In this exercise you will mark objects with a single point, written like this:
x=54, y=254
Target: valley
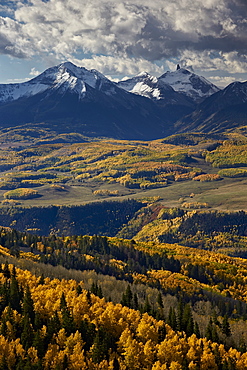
x=77, y=173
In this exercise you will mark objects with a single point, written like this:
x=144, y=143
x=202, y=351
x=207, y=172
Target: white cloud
x=207, y=34
x=12, y=40
x=119, y=66
x=34, y=72
x=16, y=80
x=231, y=62
x=222, y=81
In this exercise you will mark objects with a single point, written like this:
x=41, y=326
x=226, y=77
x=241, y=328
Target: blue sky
x=123, y=38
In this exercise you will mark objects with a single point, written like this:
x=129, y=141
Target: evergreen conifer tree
x=27, y=332
x=180, y=311
x=14, y=294
x=197, y=330
x=6, y=270
x=172, y=319
x=160, y=301
x=28, y=306
x=147, y=307
x=161, y=333
x=209, y=330
x=226, y=326
x=39, y=344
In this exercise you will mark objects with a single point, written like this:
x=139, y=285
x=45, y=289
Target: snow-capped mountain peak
x=147, y=75
x=190, y=84
x=62, y=78
x=143, y=84
x=76, y=79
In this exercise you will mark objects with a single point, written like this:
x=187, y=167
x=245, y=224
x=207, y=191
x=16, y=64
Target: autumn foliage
x=55, y=324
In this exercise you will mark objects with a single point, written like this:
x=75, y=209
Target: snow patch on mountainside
x=64, y=82
x=143, y=84
x=141, y=88
x=15, y=91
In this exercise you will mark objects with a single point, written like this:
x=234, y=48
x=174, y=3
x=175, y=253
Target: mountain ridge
x=182, y=82
x=68, y=98
x=223, y=110
x=72, y=98
x=76, y=78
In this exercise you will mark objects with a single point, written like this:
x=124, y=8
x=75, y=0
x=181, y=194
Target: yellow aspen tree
x=72, y=340
x=51, y=302
x=40, y=247
x=61, y=359
x=193, y=365
x=175, y=366
x=109, y=320
x=118, y=323
x=242, y=362
x=71, y=294
x=195, y=350
x=207, y=360
x=103, y=365
x=220, y=348
x=132, y=350
x=61, y=338
x=10, y=350
x=123, y=338
x=19, y=350
x=50, y=358
x=149, y=354
x=159, y=366
x=173, y=348
x=80, y=307
x=10, y=331
x=131, y=317
x=146, y=330
x=24, y=275
x=77, y=358
x=33, y=355
x=234, y=354
x=97, y=310
x=43, y=331
x=15, y=316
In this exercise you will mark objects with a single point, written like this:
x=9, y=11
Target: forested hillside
x=105, y=217
x=53, y=324
x=223, y=232
x=107, y=303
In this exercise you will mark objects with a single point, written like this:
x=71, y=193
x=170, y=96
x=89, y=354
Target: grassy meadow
x=178, y=170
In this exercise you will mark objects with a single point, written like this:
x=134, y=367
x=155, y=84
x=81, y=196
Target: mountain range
x=68, y=98
x=193, y=87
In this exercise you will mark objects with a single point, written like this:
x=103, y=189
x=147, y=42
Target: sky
x=124, y=38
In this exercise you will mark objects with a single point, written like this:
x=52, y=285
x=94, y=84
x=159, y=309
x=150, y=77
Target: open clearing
x=226, y=194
